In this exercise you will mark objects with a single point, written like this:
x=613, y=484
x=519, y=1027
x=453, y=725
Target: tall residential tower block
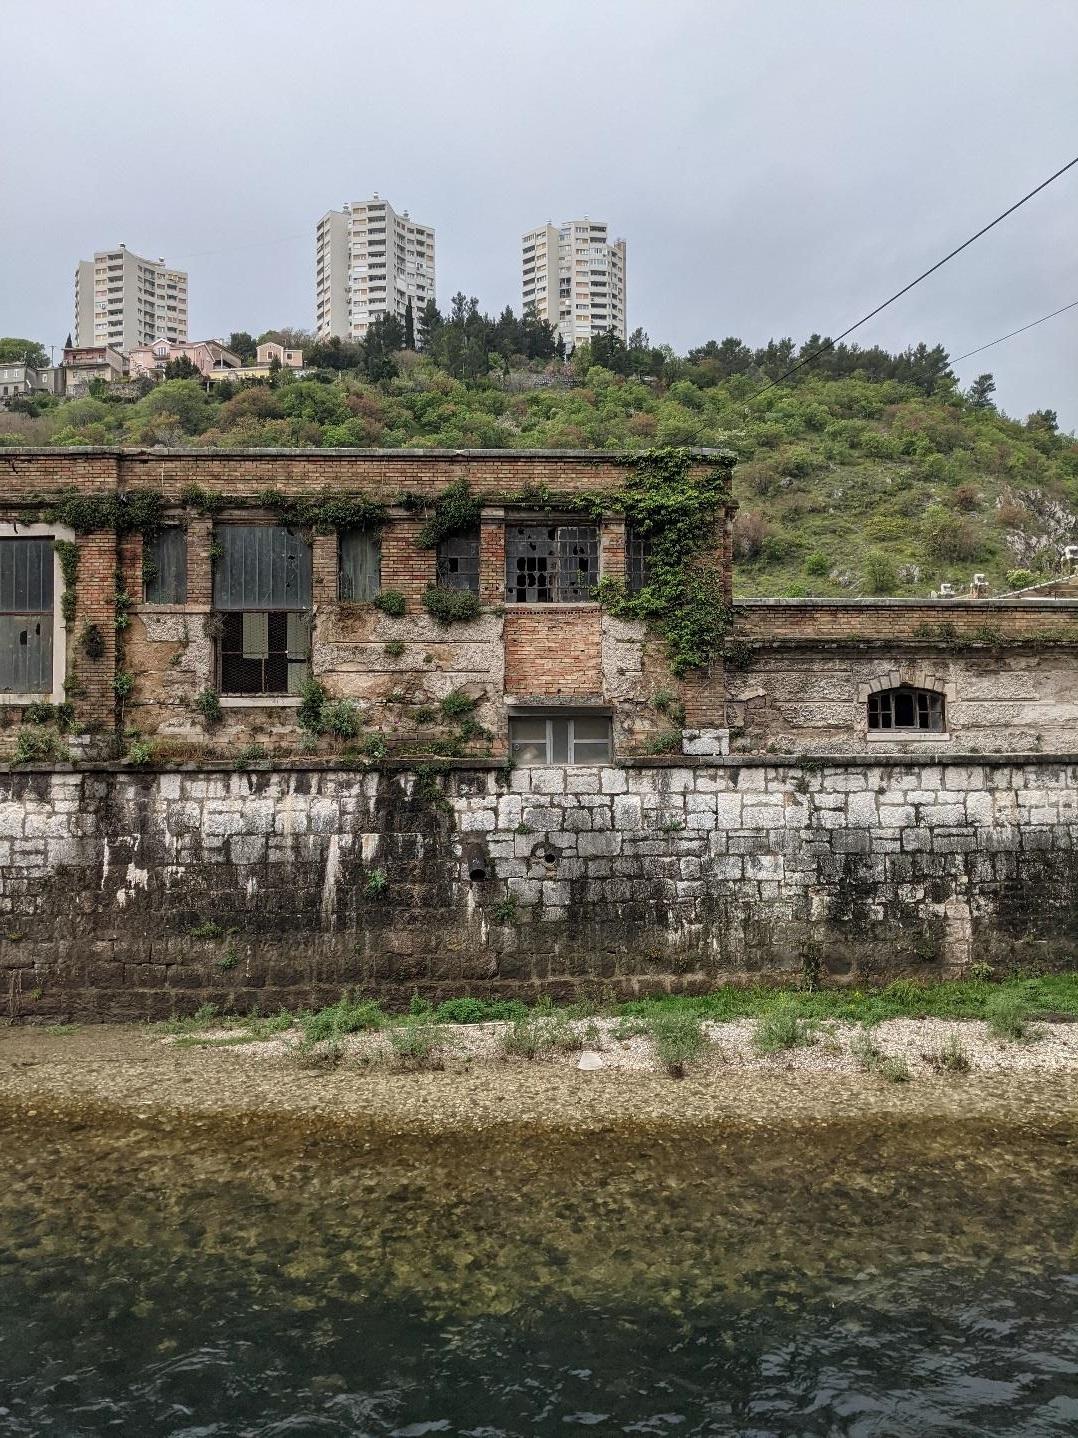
x=575, y=279
x=369, y=262
x=125, y=301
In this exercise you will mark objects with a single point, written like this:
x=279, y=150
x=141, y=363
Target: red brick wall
x=553, y=651
x=814, y=621
x=405, y=566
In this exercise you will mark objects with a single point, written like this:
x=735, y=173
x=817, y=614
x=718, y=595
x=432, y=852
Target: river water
x=884, y=1277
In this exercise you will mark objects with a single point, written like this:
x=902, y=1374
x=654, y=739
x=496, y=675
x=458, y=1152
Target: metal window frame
x=465, y=577
x=927, y=703
x=559, y=530
x=549, y=719
x=286, y=692
x=637, y=559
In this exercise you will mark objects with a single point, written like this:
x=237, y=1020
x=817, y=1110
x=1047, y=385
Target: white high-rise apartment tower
x=575, y=279
x=369, y=262
x=125, y=301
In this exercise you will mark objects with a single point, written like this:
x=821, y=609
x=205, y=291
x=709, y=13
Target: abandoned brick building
x=290, y=683
x=196, y=622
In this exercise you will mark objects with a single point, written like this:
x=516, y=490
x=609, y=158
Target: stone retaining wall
x=130, y=894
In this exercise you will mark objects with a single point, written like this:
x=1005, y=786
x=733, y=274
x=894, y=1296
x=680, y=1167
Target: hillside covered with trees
x=863, y=473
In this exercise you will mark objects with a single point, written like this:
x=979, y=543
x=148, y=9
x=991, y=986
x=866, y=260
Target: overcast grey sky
x=776, y=167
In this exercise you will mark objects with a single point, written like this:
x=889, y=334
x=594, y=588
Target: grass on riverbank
x=1009, y=1006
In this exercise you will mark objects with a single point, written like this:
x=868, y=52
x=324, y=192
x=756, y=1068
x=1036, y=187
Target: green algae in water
x=806, y=1278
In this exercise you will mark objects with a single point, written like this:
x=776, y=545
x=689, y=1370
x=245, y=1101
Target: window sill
x=260, y=701
x=908, y=736
x=511, y=608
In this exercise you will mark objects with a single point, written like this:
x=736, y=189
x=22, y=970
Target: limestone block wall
x=128, y=894
x=817, y=703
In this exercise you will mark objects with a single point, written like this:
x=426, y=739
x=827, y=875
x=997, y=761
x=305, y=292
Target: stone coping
x=1000, y=602
x=618, y=456
x=432, y=762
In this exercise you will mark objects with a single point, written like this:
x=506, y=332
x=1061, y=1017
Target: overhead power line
x=808, y=359
x=1032, y=325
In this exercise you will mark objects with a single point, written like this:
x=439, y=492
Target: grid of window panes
x=536, y=739
x=551, y=563
x=264, y=652
x=458, y=563
x=637, y=560
x=906, y=708
x=164, y=566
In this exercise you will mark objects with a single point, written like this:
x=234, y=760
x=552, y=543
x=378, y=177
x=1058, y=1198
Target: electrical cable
x=1032, y=325
x=906, y=288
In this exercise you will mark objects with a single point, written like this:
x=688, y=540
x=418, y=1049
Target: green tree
x=182, y=368
x=409, y=327
x=243, y=346
x=981, y=391
x=14, y=351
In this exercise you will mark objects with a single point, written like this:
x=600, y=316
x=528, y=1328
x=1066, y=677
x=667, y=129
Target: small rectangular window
x=264, y=651
x=458, y=563
x=560, y=739
x=551, y=563
x=360, y=574
x=164, y=567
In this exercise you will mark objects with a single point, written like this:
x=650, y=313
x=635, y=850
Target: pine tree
x=409, y=327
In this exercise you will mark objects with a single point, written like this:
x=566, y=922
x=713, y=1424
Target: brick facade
x=552, y=650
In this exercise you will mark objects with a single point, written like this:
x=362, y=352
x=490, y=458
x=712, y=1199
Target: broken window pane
x=551, y=564
x=458, y=563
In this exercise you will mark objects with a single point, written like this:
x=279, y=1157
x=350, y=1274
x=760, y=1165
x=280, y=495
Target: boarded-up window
x=164, y=566
x=458, y=563
x=26, y=618
x=551, y=563
x=260, y=566
x=360, y=566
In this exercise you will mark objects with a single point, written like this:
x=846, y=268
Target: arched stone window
x=907, y=708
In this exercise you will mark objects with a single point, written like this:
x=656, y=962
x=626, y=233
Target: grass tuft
x=1007, y=1014
x=783, y=1028
x=950, y=1057
x=678, y=1040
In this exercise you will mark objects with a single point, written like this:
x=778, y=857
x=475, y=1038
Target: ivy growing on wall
x=676, y=511
x=139, y=510
x=455, y=511
x=68, y=553
x=325, y=512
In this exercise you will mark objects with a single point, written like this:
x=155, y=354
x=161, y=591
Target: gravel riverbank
x=130, y=1073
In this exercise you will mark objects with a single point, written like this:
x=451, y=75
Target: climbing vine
x=674, y=506
x=67, y=552
x=140, y=510
x=326, y=511
x=455, y=511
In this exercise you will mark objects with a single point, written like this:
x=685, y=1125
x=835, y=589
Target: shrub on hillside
x=750, y=531
x=880, y=576
x=947, y=536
